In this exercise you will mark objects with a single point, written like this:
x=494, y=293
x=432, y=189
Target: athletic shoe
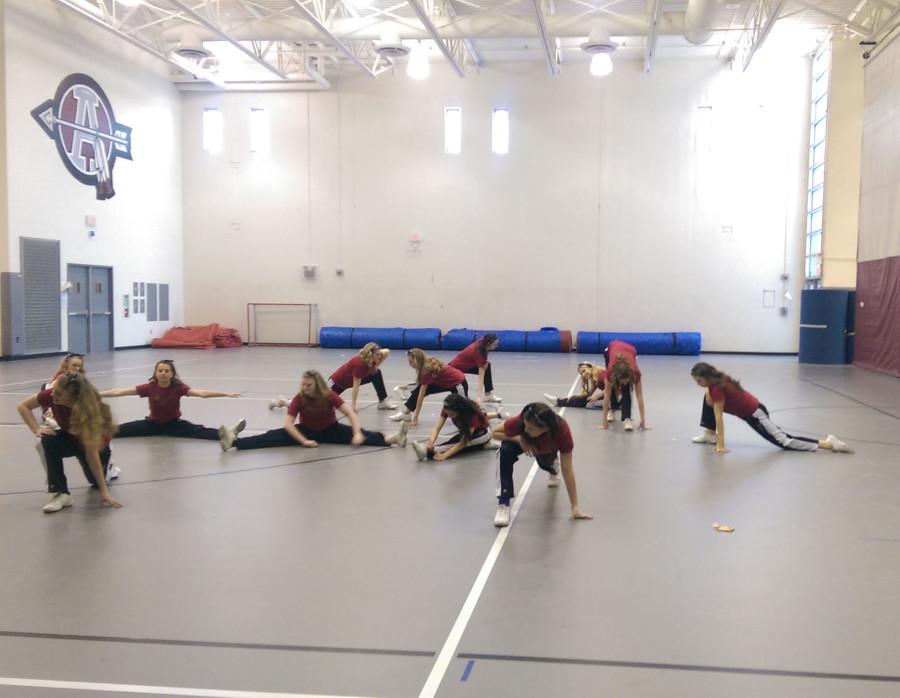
x=490, y=397
x=402, y=434
x=239, y=426
x=837, y=445
x=704, y=438
x=278, y=402
x=501, y=518
x=226, y=437
x=503, y=414
x=629, y=425
x=611, y=417
x=112, y=472
x=57, y=502
x=492, y=445
x=420, y=449
x=385, y=405
x=595, y=404
x=403, y=416
x=402, y=392
x=551, y=399
x=554, y=480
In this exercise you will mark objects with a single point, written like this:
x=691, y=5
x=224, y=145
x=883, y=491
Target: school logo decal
x=88, y=139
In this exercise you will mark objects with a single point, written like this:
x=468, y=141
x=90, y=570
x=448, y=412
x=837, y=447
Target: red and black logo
x=88, y=139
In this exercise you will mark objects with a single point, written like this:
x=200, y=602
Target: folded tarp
x=192, y=337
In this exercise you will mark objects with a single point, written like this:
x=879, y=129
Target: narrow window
x=452, y=130
x=500, y=132
x=212, y=131
x=259, y=131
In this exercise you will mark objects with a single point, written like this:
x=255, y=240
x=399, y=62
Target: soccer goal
x=283, y=324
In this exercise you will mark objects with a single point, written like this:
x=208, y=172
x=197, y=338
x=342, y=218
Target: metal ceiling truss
x=654, y=9
x=549, y=44
x=425, y=19
x=763, y=16
x=322, y=11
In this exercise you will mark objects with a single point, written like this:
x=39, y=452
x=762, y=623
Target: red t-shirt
x=61, y=413
x=470, y=357
x=477, y=421
x=738, y=402
x=618, y=347
x=165, y=403
x=447, y=377
x=543, y=444
x=315, y=415
x=343, y=376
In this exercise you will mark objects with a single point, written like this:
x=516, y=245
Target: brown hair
x=91, y=419
x=171, y=364
x=713, y=376
x=321, y=391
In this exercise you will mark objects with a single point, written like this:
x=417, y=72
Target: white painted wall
x=606, y=215
x=139, y=230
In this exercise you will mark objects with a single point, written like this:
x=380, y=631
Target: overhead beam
x=200, y=19
x=545, y=36
x=432, y=30
x=655, y=9
x=853, y=26
x=337, y=43
x=762, y=29
x=468, y=43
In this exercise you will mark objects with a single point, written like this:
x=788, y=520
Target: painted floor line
x=446, y=655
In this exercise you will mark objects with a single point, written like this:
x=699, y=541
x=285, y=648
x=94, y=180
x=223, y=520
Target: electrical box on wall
x=310, y=271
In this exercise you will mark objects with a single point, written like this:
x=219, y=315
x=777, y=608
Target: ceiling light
x=601, y=64
x=599, y=46
x=390, y=46
x=418, y=67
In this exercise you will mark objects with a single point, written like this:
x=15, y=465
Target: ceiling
x=307, y=44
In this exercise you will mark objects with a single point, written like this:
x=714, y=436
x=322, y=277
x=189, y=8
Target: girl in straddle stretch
x=591, y=395
x=724, y=395
x=164, y=391
x=473, y=430
x=311, y=420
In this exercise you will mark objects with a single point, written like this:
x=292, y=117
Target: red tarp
x=877, y=343
x=199, y=337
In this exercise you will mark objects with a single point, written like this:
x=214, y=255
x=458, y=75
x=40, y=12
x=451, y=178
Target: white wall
x=139, y=230
x=606, y=215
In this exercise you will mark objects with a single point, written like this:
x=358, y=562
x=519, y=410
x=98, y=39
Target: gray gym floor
x=346, y=571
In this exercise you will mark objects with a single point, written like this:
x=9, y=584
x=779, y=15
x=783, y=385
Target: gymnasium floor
x=344, y=571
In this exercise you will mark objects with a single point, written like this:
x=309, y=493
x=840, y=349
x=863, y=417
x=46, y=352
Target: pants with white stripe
x=763, y=425
x=476, y=442
x=506, y=457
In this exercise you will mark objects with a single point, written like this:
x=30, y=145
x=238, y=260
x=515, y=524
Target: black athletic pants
x=509, y=453
x=762, y=424
x=477, y=442
x=337, y=433
x=488, y=380
x=63, y=445
x=462, y=388
x=177, y=427
x=376, y=379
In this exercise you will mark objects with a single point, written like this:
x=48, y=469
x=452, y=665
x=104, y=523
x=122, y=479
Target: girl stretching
x=432, y=376
x=725, y=394
x=313, y=408
x=85, y=428
x=71, y=363
x=361, y=369
x=622, y=374
x=164, y=391
x=472, y=434
x=592, y=384
x=474, y=359
x=538, y=431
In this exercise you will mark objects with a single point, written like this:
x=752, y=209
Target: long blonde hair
x=432, y=365
x=91, y=419
x=418, y=359
x=369, y=353
x=321, y=392
x=588, y=383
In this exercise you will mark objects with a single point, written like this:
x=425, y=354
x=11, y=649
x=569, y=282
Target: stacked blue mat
x=680, y=343
x=546, y=339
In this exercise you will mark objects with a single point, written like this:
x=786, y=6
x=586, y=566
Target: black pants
x=488, y=380
x=337, y=433
x=477, y=442
x=582, y=401
x=64, y=445
x=177, y=427
x=376, y=379
x=462, y=388
x=508, y=455
x=762, y=424
x=621, y=402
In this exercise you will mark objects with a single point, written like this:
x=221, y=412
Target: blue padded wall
x=422, y=337
x=683, y=343
x=510, y=340
x=335, y=337
x=546, y=340
x=458, y=338
x=390, y=337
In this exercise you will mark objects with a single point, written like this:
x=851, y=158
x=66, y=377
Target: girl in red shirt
x=473, y=432
x=592, y=385
x=725, y=394
x=311, y=420
x=85, y=427
x=474, y=359
x=538, y=431
x=164, y=391
x=361, y=369
x=71, y=363
x=622, y=375
x=432, y=376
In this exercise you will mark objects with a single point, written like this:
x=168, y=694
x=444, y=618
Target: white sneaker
x=402, y=434
x=57, y=502
x=551, y=399
x=554, y=480
x=629, y=425
x=385, y=405
x=420, y=449
x=501, y=518
x=704, y=438
x=226, y=437
x=490, y=397
x=837, y=445
x=492, y=445
x=611, y=417
x=401, y=416
x=402, y=392
x=277, y=403
x=112, y=472
x=594, y=405
x=239, y=427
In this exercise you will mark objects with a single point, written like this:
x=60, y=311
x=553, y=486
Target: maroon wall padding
x=565, y=340
x=878, y=315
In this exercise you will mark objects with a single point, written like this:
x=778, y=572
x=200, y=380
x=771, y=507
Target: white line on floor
x=155, y=690
x=442, y=663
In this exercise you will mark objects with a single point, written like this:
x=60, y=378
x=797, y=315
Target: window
x=212, y=131
x=452, y=130
x=500, y=132
x=818, y=129
x=259, y=131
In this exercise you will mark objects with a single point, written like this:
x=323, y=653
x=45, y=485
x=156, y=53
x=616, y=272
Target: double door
x=90, y=309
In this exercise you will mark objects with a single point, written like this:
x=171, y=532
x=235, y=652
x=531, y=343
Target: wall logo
x=80, y=120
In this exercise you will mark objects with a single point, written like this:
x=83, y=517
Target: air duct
x=700, y=19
